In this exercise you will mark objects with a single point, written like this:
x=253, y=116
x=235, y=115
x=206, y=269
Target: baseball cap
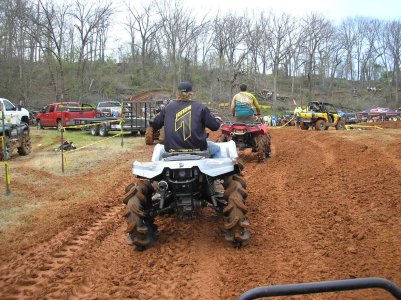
x=185, y=86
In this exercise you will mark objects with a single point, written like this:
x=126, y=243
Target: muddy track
x=325, y=206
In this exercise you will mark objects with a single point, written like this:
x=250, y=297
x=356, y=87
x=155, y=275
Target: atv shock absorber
x=210, y=184
x=163, y=186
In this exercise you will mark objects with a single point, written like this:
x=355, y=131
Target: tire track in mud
x=34, y=273
x=178, y=266
x=279, y=216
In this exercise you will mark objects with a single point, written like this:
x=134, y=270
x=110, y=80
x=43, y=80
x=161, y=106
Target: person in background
x=244, y=106
x=266, y=119
x=185, y=121
x=274, y=120
x=297, y=112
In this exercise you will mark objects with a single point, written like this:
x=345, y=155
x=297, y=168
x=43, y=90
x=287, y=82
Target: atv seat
x=227, y=150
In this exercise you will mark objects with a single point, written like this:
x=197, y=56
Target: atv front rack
x=322, y=287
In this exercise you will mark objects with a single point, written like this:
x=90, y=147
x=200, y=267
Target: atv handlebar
x=323, y=287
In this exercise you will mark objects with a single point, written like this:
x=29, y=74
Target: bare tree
x=279, y=30
x=89, y=20
x=143, y=22
x=180, y=29
x=52, y=22
x=393, y=35
x=296, y=39
x=317, y=29
x=229, y=41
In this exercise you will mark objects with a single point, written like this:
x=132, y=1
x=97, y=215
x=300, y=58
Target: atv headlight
x=182, y=173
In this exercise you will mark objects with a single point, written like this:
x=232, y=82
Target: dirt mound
x=325, y=206
x=384, y=124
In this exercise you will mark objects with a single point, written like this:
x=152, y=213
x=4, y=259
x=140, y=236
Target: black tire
x=9, y=149
x=149, y=136
x=59, y=125
x=236, y=225
x=94, y=130
x=304, y=126
x=320, y=125
x=39, y=125
x=25, y=147
x=263, y=146
x=140, y=227
x=162, y=135
x=340, y=125
x=103, y=130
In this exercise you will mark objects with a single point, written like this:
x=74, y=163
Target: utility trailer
x=135, y=117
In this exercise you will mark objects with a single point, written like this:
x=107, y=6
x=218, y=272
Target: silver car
x=110, y=108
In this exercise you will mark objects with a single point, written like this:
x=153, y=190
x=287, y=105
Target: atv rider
x=184, y=122
x=244, y=106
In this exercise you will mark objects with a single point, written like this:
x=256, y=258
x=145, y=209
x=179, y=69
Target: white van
x=13, y=114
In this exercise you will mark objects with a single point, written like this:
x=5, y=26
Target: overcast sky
x=335, y=10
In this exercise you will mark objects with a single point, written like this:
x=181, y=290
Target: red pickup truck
x=63, y=114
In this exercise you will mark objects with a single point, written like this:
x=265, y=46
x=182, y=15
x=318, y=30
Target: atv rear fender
x=214, y=167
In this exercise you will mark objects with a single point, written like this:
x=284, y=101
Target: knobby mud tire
x=149, y=136
x=140, y=227
x=162, y=135
x=9, y=149
x=236, y=225
x=26, y=146
x=340, y=125
x=320, y=125
x=263, y=146
x=304, y=126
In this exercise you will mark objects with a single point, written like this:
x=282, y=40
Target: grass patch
x=90, y=150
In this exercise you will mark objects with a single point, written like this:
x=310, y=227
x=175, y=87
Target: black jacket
x=184, y=125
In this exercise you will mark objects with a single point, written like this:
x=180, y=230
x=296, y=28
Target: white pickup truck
x=13, y=114
x=14, y=130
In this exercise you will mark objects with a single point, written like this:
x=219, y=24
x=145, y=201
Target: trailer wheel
x=162, y=135
x=94, y=130
x=25, y=147
x=140, y=227
x=103, y=130
x=149, y=136
x=59, y=125
x=236, y=225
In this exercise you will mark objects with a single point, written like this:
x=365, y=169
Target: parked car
x=62, y=114
x=110, y=108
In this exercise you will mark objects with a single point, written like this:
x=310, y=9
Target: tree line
x=59, y=50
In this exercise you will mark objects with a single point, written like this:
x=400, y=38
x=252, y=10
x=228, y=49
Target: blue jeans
x=213, y=149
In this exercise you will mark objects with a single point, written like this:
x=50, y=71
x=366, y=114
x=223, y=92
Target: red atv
x=248, y=135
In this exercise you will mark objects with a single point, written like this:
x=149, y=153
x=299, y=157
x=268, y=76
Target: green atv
x=321, y=116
